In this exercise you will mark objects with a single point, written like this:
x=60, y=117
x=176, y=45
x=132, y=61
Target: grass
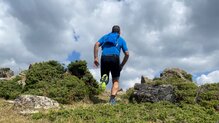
x=123, y=112
x=163, y=112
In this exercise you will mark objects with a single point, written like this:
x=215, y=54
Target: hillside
x=171, y=98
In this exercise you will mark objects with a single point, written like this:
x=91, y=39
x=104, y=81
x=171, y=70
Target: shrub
x=129, y=95
x=65, y=90
x=79, y=69
x=10, y=89
x=208, y=95
x=68, y=89
x=44, y=71
x=48, y=79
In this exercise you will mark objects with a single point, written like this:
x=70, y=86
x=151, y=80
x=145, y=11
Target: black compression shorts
x=110, y=63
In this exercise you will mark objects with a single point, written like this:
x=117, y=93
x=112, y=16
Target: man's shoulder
x=102, y=38
x=121, y=39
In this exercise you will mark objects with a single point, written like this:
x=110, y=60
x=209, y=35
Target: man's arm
x=125, y=59
x=96, y=47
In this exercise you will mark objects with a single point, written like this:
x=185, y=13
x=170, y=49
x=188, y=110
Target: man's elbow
x=97, y=44
x=127, y=54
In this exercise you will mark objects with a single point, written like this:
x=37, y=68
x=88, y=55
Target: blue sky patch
x=73, y=56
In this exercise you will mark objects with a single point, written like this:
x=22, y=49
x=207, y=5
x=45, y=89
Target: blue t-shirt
x=110, y=50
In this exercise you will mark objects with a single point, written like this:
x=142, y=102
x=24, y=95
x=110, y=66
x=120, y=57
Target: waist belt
x=114, y=55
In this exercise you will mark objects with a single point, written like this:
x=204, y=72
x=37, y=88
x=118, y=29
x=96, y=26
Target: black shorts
x=110, y=63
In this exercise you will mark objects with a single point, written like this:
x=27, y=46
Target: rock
x=175, y=72
x=27, y=104
x=120, y=90
x=153, y=93
x=145, y=79
x=23, y=78
x=6, y=73
x=216, y=108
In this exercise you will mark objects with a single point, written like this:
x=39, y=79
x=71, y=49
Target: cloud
x=159, y=34
x=209, y=78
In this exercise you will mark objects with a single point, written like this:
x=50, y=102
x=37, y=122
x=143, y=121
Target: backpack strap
x=115, y=44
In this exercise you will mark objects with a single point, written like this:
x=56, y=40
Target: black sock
x=112, y=96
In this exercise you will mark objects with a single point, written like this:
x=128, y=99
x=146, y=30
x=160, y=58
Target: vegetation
x=44, y=71
x=79, y=69
x=10, y=89
x=185, y=90
x=49, y=79
x=133, y=113
x=194, y=104
x=208, y=95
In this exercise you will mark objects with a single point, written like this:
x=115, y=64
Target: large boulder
x=175, y=73
x=27, y=104
x=6, y=73
x=153, y=93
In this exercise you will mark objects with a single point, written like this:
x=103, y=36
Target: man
x=111, y=44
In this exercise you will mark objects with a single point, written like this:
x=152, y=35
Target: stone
x=26, y=104
x=145, y=79
x=23, y=77
x=153, y=93
x=6, y=73
x=175, y=72
x=216, y=108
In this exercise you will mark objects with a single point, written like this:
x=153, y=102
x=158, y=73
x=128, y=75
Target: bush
x=10, y=89
x=48, y=79
x=68, y=89
x=208, y=95
x=79, y=69
x=44, y=71
x=129, y=95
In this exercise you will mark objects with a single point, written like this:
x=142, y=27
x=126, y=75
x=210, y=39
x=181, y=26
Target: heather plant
x=79, y=69
x=49, y=79
x=44, y=71
x=208, y=95
x=133, y=113
x=10, y=89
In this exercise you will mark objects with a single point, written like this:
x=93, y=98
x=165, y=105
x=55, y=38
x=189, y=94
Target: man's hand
x=96, y=62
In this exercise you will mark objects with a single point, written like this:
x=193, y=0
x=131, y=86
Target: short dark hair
x=116, y=28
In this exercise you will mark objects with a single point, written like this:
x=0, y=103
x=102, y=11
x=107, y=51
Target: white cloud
x=96, y=73
x=159, y=34
x=212, y=77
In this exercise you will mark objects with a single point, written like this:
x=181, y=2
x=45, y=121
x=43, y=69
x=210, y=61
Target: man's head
x=116, y=28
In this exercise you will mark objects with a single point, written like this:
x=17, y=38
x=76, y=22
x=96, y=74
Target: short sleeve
x=101, y=40
x=124, y=46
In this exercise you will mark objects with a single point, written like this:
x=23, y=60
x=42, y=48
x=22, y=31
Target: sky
x=159, y=34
